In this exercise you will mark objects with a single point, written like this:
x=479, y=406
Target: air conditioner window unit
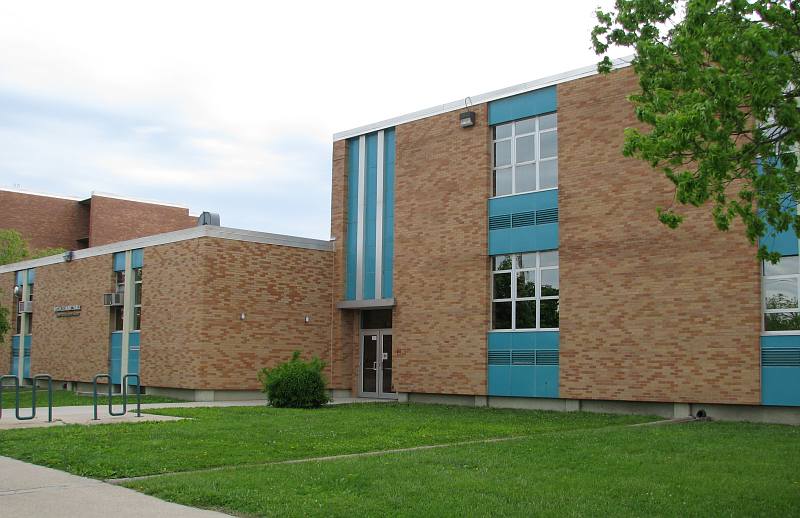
x=113, y=299
x=25, y=307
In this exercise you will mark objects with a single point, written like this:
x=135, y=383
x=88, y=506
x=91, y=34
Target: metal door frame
x=379, y=364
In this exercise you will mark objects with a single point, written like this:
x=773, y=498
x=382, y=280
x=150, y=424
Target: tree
x=13, y=248
x=720, y=81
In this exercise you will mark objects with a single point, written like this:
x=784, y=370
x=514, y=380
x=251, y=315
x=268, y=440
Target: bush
x=295, y=384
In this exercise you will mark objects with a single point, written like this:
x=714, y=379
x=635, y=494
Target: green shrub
x=295, y=384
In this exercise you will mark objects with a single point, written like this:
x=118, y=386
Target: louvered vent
x=523, y=219
x=546, y=357
x=499, y=357
x=523, y=357
x=780, y=357
x=500, y=222
x=547, y=216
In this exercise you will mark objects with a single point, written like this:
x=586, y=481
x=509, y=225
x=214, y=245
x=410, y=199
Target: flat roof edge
x=234, y=234
x=563, y=77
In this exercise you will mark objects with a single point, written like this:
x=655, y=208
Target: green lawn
x=695, y=469
x=557, y=464
x=69, y=398
x=247, y=435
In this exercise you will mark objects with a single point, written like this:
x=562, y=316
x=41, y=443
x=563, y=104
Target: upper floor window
x=525, y=155
x=137, y=299
x=781, y=288
x=525, y=291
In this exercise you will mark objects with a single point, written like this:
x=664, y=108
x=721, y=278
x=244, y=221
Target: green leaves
x=719, y=92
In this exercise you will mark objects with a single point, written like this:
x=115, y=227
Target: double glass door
x=376, y=363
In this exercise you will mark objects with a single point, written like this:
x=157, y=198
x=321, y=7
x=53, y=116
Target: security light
x=467, y=119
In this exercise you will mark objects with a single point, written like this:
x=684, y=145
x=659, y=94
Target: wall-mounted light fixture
x=307, y=319
x=242, y=316
x=69, y=255
x=17, y=291
x=467, y=118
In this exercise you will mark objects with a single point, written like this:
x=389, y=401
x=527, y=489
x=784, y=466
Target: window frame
x=137, y=282
x=537, y=298
x=512, y=166
x=764, y=311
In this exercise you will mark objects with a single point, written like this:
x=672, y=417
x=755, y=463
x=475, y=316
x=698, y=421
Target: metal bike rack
x=124, y=395
x=17, y=390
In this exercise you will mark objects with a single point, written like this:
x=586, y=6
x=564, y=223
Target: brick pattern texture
x=44, y=221
x=441, y=268
x=112, y=220
x=647, y=313
x=193, y=293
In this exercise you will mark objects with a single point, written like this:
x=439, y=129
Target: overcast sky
x=230, y=106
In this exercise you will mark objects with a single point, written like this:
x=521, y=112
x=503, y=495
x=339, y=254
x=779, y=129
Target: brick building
x=505, y=254
x=47, y=221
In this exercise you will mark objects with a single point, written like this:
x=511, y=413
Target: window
x=780, y=288
x=137, y=299
x=525, y=155
x=525, y=291
x=118, y=312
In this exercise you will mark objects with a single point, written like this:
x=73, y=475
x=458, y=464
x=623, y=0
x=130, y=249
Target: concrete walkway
x=32, y=491
x=83, y=414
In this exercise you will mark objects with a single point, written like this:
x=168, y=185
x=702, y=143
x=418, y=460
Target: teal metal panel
x=14, y=356
x=523, y=105
x=370, y=207
x=18, y=278
x=133, y=352
x=499, y=380
x=529, y=238
x=115, y=358
x=26, y=371
x=780, y=385
x=31, y=275
x=352, y=218
x=137, y=258
x=523, y=380
x=387, y=260
x=546, y=381
x=119, y=262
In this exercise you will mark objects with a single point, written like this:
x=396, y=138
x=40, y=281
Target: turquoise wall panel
x=780, y=374
x=518, y=380
x=523, y=105
x=523, y=239
x=133, y=353
x=18, y=278
x=119, y=262
x=27, y=370
x=137, y=258
x=387, y=259
x=31, y=275
x=528, y=238
x=14, y=356
x=370, y=207
x=352, y=218
x=115, y=358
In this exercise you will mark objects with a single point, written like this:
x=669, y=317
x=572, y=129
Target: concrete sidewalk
x=83, y=414
x=33, y=491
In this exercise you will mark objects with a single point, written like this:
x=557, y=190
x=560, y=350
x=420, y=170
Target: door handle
x=375, y=365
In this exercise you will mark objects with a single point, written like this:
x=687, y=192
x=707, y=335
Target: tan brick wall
x=71, y=348
x=441, y=276
x=113, y=220
x=192, y=336
x=44, y=221
x=344, y=332
x=647, y=313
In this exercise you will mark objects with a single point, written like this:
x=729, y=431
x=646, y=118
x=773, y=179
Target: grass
x=248, y=435
x=696, y=469
x=70, y=398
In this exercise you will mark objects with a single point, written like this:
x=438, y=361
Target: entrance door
x=376, y=364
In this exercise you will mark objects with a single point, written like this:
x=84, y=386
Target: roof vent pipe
x=208, y=218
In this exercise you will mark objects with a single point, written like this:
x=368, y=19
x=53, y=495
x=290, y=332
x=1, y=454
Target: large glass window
x=525, y=155
x=137, y=299
x=525, y=291
x=117, y=312
x=780, y=290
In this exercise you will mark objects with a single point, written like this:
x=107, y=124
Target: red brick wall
x=44, y=221
x=647, y=313
x=113, y=220
x=441, y=276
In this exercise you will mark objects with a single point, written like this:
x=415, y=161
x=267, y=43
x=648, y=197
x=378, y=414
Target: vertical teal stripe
x=119, y=262
x=137, y=258
x=370, y=207
x=388, y=214
x=352, y=218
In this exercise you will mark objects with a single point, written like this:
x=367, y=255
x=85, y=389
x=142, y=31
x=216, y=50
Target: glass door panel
x=369, y=364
